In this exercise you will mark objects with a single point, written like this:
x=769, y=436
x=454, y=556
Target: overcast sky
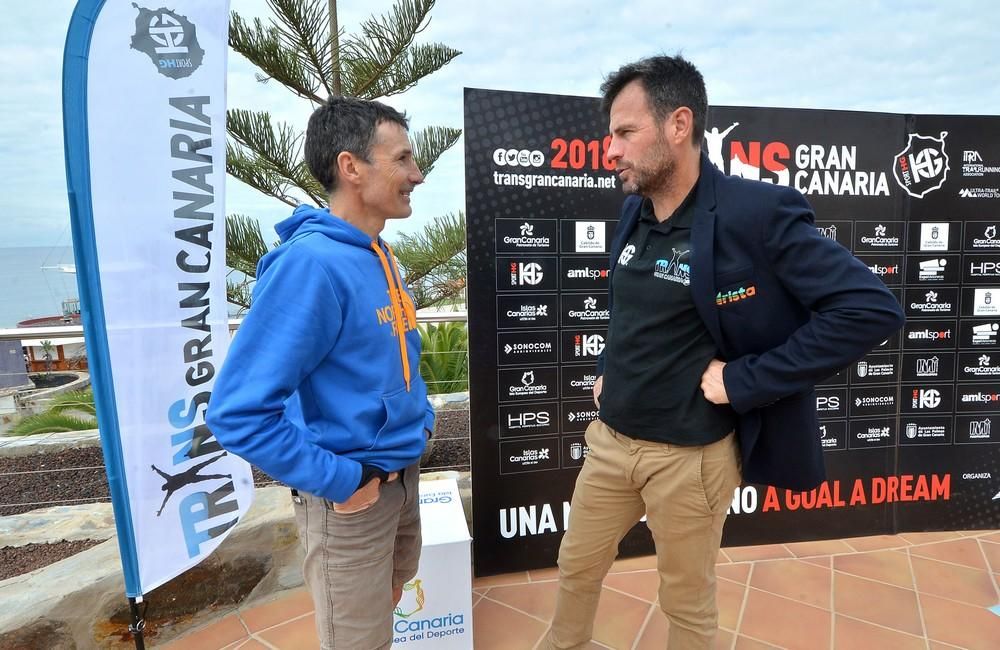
x=905, y=57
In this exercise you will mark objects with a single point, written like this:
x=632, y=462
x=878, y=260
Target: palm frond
x=79, y=401
x=51, y=423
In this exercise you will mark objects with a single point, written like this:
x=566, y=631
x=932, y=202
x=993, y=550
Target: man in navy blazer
x=727, y=306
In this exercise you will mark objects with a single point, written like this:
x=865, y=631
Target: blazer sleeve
x=852, y=310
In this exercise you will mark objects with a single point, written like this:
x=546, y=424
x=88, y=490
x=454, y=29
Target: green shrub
x=444, y=361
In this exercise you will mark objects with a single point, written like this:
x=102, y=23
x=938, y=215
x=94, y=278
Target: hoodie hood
x=307, y=219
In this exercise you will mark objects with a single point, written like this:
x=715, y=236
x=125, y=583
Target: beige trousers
x=354, y=561
x=684, y=493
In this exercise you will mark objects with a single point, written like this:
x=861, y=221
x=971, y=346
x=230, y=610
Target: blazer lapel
x=703, y=251
x=703, y=271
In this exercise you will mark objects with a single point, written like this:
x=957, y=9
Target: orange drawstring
x=400, y=315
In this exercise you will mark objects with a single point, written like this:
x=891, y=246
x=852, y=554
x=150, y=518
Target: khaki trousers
x=354, y=561
x=684, y=493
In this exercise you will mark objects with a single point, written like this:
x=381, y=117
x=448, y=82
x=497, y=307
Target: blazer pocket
x=735, y=290
x=727, y=277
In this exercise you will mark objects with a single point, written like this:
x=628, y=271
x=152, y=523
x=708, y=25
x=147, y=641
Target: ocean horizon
x=31, y=283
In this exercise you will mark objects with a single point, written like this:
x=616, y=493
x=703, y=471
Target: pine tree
x=303, y=48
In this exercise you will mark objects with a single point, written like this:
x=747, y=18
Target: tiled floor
x=930, y=591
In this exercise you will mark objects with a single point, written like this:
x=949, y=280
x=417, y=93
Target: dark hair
x=343, y=124
x=670, y=82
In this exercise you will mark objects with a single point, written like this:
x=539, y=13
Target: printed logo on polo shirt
x=627, y=253
x=922, y=166
x=677, y=269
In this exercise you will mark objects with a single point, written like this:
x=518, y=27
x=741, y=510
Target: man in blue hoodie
x=321, y=387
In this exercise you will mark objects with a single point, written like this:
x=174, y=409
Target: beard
x=654, y=174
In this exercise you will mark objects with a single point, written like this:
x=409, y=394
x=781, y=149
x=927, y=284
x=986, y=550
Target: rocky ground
x=77, y=476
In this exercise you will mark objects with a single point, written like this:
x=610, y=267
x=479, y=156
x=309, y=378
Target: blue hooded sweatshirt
x=316, y=382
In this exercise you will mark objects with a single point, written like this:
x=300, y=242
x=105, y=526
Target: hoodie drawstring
x=404, y=315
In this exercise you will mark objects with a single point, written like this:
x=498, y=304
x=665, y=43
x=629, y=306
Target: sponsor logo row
x=929, y=302
x=552, y=236
x=928, y=399
x=917, y=366
x=541, y=454
x=526, y=274
x=922, y=274
x=546, y=418
x=838, y=435
x=534, y=348
x=894, y=236
x=933, y=271
x=537, y=310
x=520, y=348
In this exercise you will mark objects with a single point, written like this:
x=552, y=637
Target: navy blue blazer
x=787, y=308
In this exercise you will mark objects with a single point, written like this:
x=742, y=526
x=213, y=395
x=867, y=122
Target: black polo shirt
x=658, y=346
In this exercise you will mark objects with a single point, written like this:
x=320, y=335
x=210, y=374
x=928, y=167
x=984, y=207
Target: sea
x=32, y=284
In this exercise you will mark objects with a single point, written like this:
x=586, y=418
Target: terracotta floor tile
x=289, y=605
x=892, y=567
x=877, y=603
x=735, y=572
x=498, y=627
x=536, y=598
x=654, y=637
x=723, y=557
x=800, y=581
x=821, y=547
x=641, y=563
x=954, y=582
x=619, y=618
x=723, y=640
x=963, y=551
x=641, y=584
x=930, y=537
x=517, y=577
x=962, y=625
x=252, y=644
x=744, y=643
x=729, y=596
x=992, y=537
x=215, y=635
x=784, y=622
x=542, y=575
x=753, y=553
x=992, y=553
x=476, y=598
x=937, y=645
x=819, y=561
x=851, y=634
x=299, y=634
x=876, y=542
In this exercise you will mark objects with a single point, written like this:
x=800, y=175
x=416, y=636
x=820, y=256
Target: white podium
x=436, y=608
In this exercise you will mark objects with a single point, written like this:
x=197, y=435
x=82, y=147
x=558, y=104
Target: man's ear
x=681, y=125
x=348, y=168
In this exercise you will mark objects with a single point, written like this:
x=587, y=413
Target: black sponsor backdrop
x=882, y=460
